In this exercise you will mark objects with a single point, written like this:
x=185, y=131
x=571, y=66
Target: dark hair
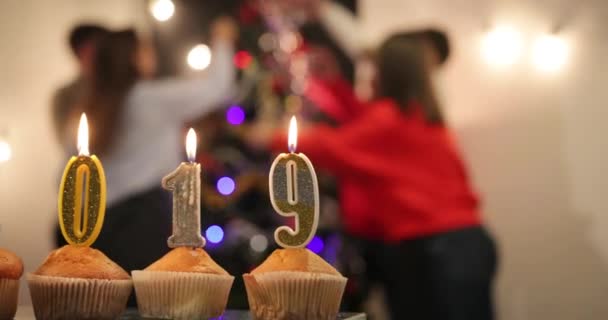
x=83, y=33
x=403, y=75
x=437, y=38
x=114, y=74
x=440, y=42
x=318, y=35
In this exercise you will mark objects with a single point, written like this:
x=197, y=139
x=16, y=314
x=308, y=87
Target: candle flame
x=191, y=145
x=83, y=136
x=292, y=139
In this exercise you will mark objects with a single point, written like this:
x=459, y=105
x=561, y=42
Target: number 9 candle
x=294, y=192
x=82, y=194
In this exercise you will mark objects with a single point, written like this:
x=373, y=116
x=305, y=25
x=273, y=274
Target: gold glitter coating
x=71, y=193
x=185, y=185
x=305, y=209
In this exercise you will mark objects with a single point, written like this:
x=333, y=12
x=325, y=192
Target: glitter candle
x=294, y=192
x=81, y=218
x=185, y=183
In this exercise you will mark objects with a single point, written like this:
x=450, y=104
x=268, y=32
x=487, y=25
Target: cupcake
x=294, y=284
x=78, y=282
x=184, y=284
x=11, y=269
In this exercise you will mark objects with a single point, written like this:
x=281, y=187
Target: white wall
x=535, y=143
x=34, y=60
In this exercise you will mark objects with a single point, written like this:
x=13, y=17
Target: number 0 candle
x=82, y=194
x=185, y=183
x=294, y=192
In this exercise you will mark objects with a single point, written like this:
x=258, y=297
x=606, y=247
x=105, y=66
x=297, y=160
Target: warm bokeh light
x=292, y=138
x=83, y=136
x=199, y=57
x=549, y=53
x=5, y=151
x=191, y=145
x=258, y=243
x=242, y=59
x=162, y=10
x=289, y=41
x=267, y=42
x=502, y=46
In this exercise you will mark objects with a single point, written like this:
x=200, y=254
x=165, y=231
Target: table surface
x=27, y=313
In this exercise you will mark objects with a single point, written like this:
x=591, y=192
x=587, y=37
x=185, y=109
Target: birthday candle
x=185, y=183
x=82, y=194
x=294, y=192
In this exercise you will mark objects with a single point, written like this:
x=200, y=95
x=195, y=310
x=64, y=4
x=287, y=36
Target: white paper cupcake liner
x=181, y=295
x=294, y=295
x=74, y=298
x=9, y=293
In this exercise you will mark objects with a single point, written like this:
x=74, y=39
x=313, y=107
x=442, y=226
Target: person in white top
x=137, y=131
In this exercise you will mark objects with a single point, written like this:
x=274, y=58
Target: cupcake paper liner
x=294, y=295
x=181, y=295
x=75, y=298
x=9, y=293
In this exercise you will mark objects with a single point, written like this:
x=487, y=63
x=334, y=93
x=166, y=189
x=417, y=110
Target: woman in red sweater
x=405, y=194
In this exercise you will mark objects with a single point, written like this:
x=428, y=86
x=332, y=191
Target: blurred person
x=136, y=128
x=435, y=43
x=329, y=20
x=436, y=49
x=405, y=195
x=338, y=54
x=82, y=40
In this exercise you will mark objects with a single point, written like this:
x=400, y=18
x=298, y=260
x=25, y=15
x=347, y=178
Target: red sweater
x=399, y=176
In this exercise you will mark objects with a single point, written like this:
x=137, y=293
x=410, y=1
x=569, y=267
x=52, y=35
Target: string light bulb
x=214, y=234
x=235, y=115
x=162, y=10
x=502, y=46
x=549, y=53
x=226, y=186
x=199, y=57
x=258, y=243
x=5, y=151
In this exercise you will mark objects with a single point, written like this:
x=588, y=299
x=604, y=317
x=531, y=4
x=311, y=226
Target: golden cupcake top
x=295, y=259
x=81, y=262
x=182, y=259
x=11, y=266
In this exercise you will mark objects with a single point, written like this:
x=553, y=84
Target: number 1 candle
x=294, y=192
x=82, y=194
x=185, y=183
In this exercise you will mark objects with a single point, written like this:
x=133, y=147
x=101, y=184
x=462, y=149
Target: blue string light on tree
x=214, y=234
x=316, y=245
x=226, y=186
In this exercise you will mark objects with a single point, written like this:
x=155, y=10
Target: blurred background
x=523, y=90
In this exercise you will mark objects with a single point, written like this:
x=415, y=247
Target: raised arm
x=189, y=98
x=343, y=27
x=345, y=150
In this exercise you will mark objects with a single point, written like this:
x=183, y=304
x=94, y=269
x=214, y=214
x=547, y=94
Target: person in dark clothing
x=405, y=194
x=82, y=41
